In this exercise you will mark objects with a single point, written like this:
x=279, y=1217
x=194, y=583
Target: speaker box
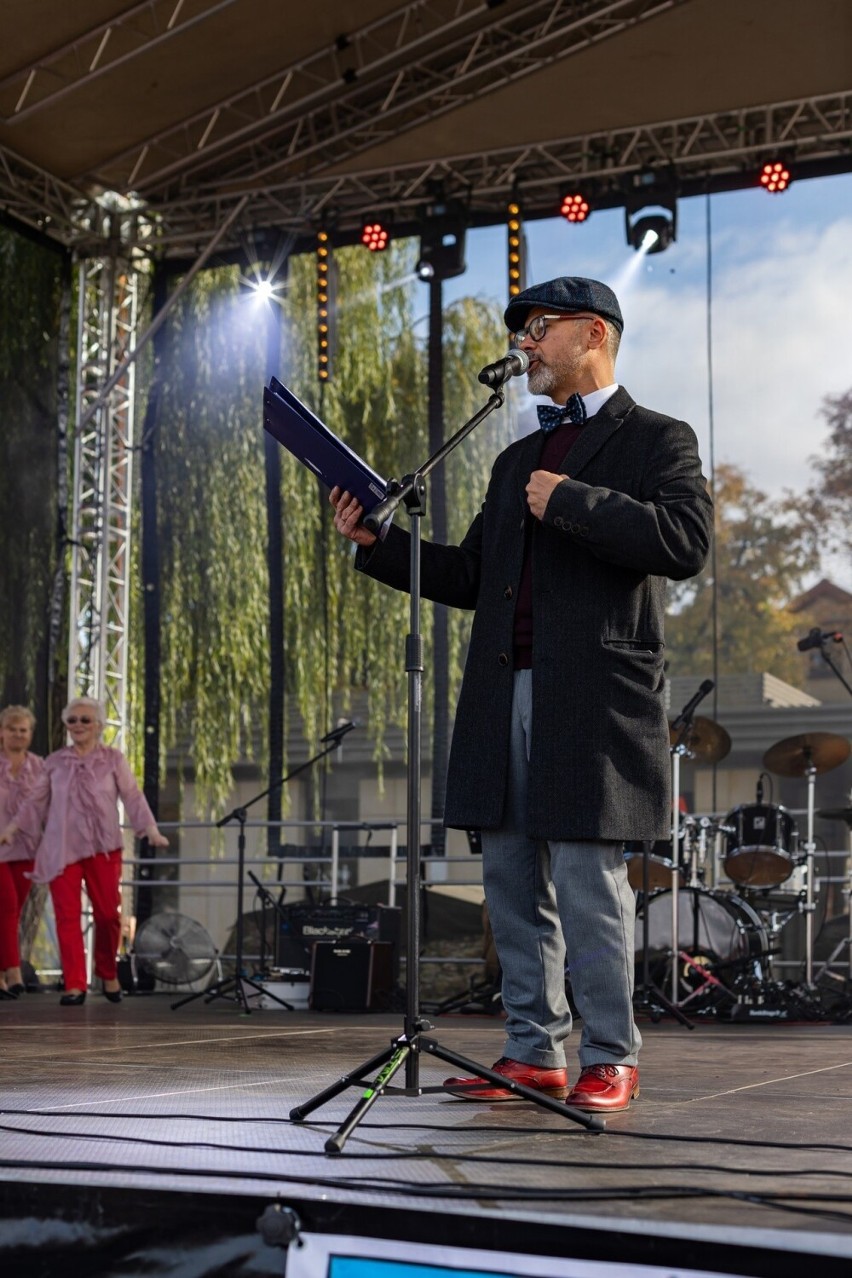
x=302, y=925
x=351, y=976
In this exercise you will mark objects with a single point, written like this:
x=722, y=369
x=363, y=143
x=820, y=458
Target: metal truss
x=708, y=152
x=103, y=459
x=412, y=65
x=102, y=48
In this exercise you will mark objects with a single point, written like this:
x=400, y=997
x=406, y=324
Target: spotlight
x=375, y=236
x=775, y=176
x=651, y=232
x=263, y=283
x=516, y=248
x=575, y=208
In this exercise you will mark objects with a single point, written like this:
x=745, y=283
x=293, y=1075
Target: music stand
x=405, y=1049
x=237, y=983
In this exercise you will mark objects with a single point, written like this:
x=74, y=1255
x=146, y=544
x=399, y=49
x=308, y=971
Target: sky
x=780, y=300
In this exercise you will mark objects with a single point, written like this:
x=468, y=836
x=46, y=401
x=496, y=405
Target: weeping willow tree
x=33, y=356
x=212, y=521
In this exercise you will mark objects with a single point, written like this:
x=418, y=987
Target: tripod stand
x=233, y=987
x=405, y=1049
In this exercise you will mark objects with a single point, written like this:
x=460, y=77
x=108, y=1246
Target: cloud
x=780, y=344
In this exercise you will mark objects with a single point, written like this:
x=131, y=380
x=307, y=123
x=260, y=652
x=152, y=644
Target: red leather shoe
x=604, y=1089
x=552, y=1082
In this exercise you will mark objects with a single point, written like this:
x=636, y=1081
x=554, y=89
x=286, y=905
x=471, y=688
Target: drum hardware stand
x=845, y=943
x=709, y=980
x=649, y=996
x=406, y=1048
x=681, y=726
x=809, y=906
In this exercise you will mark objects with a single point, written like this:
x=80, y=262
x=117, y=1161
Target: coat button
x=502, y=660
x=508, y=592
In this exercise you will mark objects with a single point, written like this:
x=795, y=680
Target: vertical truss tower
x=102, y=485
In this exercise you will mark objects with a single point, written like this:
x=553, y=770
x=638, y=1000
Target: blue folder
x=302, y=433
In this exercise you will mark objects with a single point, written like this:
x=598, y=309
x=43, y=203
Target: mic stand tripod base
x=393, y=1058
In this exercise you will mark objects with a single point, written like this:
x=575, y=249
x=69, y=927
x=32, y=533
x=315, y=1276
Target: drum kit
x=727, y=932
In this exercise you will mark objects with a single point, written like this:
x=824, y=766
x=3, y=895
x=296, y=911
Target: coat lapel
x=597, y=431
x=527, y=461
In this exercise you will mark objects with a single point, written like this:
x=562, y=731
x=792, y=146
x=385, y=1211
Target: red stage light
x=575, y=208
x=775, y=176
x=375, y=236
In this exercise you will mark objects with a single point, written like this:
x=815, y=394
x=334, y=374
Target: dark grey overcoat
x=634, y=512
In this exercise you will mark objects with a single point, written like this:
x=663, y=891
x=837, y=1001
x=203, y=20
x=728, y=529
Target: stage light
x=651, y=232
x=575, y=208
x=264, y=289
x=325, y=306
x=375, y=236
x=516, y=249
x=775, y=177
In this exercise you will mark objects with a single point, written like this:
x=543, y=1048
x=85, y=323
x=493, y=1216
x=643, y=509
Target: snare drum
x=660, y=865
x=760, y=840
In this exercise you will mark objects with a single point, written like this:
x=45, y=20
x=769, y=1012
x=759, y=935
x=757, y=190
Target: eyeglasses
x=537, y=327
x=73, y=718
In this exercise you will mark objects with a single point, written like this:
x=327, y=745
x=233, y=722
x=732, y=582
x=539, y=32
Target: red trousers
x=101, y=875
x=14, y=890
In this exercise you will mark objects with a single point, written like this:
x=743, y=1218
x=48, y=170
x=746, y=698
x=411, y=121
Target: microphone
x=511, y=365
x=759, y=793
x=686, y=712
x=816, y=638
x=340, y=731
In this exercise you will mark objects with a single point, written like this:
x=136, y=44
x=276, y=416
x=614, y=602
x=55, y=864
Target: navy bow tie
x=551, y=415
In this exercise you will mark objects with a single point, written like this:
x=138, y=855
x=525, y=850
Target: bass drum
x=720, y=933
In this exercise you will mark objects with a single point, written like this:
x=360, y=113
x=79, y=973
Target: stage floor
x=742, y=1134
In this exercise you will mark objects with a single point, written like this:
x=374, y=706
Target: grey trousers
x=552, y=902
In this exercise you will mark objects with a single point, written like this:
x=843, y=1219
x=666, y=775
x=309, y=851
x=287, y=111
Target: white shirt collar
x=595, y=402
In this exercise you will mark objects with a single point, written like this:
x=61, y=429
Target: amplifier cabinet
x=303, y=925
x=351, y=976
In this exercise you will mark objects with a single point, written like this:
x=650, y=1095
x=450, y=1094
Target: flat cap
x=568, y=293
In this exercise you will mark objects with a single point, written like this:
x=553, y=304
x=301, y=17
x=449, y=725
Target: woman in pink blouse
x=73, y=811
x=19, y=771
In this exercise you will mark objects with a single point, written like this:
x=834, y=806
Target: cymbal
x=836, y=814
x=793, y=756
x=705, y=741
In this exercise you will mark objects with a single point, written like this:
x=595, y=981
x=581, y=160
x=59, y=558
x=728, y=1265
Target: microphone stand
x=406, y=1048
x=222, y=988
x=828, y=661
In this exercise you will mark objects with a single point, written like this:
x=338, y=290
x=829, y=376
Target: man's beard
x=543, y=379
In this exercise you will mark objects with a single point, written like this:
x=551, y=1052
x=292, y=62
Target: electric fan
x=174, y=949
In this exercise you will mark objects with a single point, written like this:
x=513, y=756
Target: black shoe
x=17, y=989
x=7, y=994
x=113, y=996
x=72, y=1000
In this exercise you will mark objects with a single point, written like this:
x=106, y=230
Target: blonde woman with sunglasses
x=72, y=815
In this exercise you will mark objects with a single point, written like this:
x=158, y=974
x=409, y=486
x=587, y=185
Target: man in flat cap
x=560, y=744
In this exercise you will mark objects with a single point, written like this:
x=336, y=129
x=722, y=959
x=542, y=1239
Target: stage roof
x=191, y=115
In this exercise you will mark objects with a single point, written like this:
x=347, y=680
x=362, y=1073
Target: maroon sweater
x=556, y=445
